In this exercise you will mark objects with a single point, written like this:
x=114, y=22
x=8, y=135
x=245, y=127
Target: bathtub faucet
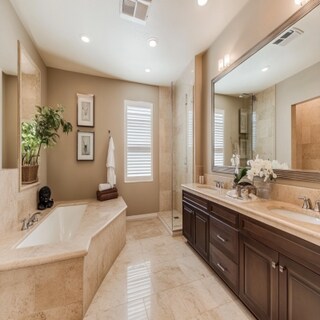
x=27, y=223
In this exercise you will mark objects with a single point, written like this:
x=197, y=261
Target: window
x=219, y=137
x=138, y=141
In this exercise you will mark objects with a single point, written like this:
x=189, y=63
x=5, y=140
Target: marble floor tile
x=159, y=277
x=231, y=310
x=133, y=310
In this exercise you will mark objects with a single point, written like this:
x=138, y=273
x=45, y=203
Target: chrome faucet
x=27, y=223
x=306, y=202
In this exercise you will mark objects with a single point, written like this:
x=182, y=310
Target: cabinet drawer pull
x=221, y=267
x=274, y=265
x=221, y=239
x=281, y=268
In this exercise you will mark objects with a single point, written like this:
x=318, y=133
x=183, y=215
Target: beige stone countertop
x=261, y=210
x=96, y=217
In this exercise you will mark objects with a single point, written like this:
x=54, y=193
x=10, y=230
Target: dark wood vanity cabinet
x=279, y=273
x=276, y=274
x=196, y=223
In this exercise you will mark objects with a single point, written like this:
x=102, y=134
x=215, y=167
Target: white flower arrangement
x=260, y=168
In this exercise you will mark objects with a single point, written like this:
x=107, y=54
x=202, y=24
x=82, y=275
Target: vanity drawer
x=196, y=201
x=225, y=268
x=225, y=238
x=226, y=215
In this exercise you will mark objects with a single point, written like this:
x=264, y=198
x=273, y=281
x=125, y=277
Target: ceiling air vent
x=288, y=36
x=135, y=10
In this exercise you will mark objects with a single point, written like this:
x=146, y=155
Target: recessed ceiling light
x=265, y=69
x=85, y=38
x=147, y=70
x=153, y=42
x=202, y=3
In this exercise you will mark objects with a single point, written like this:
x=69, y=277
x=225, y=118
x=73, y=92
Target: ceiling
x=118, y=47
x=283, y=61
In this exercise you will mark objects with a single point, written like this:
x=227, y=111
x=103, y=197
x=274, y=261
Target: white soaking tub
x=61, y=225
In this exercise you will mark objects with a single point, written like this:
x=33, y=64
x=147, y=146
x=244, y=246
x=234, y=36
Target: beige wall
x=15, y=205
x=254, y=22
x=70, y=179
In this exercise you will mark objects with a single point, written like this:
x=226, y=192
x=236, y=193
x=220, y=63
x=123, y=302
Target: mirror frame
x=21, y=50
x=300, y=175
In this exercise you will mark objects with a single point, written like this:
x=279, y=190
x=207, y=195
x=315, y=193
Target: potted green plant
x=41, y=131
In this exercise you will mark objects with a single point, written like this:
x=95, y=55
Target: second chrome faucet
x=28, y=222
x=307, y=204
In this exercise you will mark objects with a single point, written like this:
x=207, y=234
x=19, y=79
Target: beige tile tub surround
x=260, y=211
x=58, y=281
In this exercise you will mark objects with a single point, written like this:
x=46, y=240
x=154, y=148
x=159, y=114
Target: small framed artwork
x=243, y=121
x=85, y=146
x=85, y=110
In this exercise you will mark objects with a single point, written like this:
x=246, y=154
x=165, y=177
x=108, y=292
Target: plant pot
x=29, y=174
x=263, y=187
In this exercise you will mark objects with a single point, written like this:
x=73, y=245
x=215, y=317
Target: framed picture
x=85, y=110
x=85, y=145
x=243, y=121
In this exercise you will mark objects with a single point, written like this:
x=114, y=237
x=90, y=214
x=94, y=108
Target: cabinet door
x=188, y=223
x=299, y=291
x=201, y=237
x=259, y=278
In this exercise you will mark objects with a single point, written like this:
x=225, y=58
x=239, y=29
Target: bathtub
x=57, y=266
x=61, y=225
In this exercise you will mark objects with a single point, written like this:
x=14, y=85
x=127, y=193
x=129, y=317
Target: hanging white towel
x=111, y=175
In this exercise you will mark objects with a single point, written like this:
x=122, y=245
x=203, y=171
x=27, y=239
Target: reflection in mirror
x=305, y=135
x=260, y=106
x=29, y=97
x=10, y=121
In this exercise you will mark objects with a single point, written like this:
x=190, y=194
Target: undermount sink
x=296, y=215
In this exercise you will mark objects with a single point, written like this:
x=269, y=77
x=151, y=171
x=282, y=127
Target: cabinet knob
x=221, y=239
x=274, y=265
x=282, y=268
x=221, y=267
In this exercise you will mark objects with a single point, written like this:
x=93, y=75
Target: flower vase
x=263, y=187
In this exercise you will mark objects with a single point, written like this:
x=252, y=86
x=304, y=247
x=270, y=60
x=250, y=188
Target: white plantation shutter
x=138, y=141
x=219, y=137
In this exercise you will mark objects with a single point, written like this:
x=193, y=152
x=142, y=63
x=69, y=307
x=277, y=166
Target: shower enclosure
x=181, y=145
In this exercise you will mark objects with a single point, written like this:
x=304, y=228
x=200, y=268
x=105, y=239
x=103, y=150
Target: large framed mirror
x=268, y=102
x=29, y=94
